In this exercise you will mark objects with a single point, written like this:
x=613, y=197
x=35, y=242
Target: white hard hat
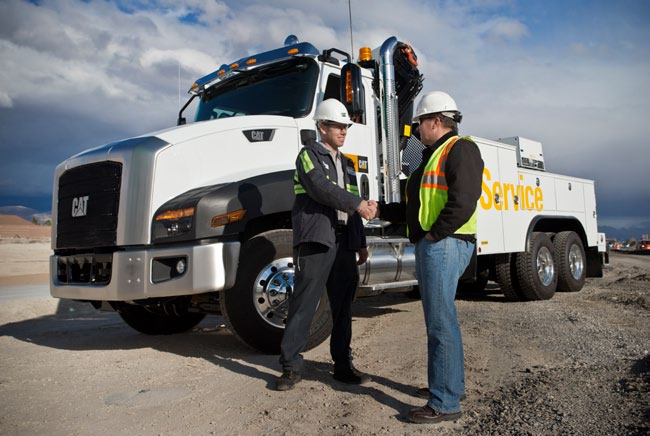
x=332, y=110
x=437, y=102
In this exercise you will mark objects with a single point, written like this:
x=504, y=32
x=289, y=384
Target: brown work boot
x=426, y=415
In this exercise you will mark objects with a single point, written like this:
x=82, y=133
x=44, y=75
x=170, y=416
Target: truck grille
x=88, y=203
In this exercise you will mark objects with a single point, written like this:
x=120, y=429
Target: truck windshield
x=285, y=88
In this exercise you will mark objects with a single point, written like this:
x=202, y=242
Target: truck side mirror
x=352, y=92
x=181, y=119
x=307, y=135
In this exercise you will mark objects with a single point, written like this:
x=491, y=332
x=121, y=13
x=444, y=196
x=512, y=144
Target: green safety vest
x=433, y=190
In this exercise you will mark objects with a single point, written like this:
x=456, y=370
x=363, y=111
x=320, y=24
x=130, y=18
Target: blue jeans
x=438, y=266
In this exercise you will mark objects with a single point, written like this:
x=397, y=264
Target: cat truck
x=194, y=220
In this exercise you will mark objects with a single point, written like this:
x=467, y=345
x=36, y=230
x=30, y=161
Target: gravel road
x=574, y=365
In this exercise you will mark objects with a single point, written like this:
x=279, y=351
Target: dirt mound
x=12, y=226
x=13, y=220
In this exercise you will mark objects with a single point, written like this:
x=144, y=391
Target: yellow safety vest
x=433, y=190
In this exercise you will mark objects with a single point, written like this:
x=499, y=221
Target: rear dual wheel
x=570, y=258
x=530, y=275
x=506, y=276
x=536, y=269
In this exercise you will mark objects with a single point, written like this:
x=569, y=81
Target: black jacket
x=314, y=217
x=463, y=172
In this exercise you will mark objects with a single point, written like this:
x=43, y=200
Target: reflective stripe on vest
x=297, y=187
x=433, y=190
x=352, y=188
x=307, y=166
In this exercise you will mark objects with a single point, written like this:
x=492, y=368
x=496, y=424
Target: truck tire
x=155, y=322
x=255, y=309
x=536, y=270
x=570, y=260
x=505, y=270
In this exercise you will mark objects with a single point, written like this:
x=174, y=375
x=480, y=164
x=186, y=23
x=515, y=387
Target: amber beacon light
x=365, y=54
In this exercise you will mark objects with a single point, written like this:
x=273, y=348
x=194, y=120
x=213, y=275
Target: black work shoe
x=425, y=393
x=426, y=415
x=351, y=376
x=287, y=381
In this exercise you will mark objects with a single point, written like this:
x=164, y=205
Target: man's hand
x=367, y=211
x=363, y=256
x=373, y=203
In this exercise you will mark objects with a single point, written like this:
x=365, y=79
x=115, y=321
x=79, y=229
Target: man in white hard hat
x=327, y=236
x=440, y=211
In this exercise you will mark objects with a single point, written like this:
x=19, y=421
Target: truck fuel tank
x=390, y=266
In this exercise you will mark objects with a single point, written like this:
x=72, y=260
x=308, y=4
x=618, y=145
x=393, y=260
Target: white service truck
x=169, y=227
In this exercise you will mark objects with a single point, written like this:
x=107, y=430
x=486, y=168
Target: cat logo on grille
x=79, y=206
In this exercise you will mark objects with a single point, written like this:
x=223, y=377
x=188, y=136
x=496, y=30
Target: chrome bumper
x=211, y=267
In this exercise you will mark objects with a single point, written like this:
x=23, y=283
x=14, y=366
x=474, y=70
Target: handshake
x=368, y=209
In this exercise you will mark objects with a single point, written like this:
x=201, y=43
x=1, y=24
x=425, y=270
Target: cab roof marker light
x=251, y=61
x=302, y=48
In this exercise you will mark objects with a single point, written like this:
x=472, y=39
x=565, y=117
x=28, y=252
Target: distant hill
x=26, y=213
x=13, y=227
x=13, y=220
x=625, y=233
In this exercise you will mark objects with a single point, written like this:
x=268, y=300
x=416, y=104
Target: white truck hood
x=162, y=165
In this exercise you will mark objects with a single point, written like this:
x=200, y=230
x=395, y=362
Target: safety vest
x=433, y=190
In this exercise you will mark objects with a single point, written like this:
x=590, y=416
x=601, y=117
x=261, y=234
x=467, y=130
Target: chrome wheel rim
x=576, y=262
x=272, y=289
x=545, y=267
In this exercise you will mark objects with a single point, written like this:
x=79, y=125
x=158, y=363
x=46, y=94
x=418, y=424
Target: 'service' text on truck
x=172, y=226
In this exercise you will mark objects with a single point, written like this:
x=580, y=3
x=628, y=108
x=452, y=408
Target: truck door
x=359, y=142
x=489, y=237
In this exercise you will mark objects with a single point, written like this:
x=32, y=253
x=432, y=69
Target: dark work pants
x=317, y=267
x=341, y=288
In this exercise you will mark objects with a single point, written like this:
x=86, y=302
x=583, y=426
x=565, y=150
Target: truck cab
x=195, y=219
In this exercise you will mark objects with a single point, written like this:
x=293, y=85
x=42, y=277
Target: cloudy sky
x=572, y=74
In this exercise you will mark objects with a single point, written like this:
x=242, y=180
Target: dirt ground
x=574, y=365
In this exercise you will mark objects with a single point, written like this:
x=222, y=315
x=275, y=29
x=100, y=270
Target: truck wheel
x=152, y=321
x=570, y=260
x=536, y=269
x=255, y=309
x=506, y=276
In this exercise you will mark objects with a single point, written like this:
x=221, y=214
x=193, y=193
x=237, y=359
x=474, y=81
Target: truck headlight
x=173, y=222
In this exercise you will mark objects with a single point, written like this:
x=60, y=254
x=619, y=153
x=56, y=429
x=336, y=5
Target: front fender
x=261, y=195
